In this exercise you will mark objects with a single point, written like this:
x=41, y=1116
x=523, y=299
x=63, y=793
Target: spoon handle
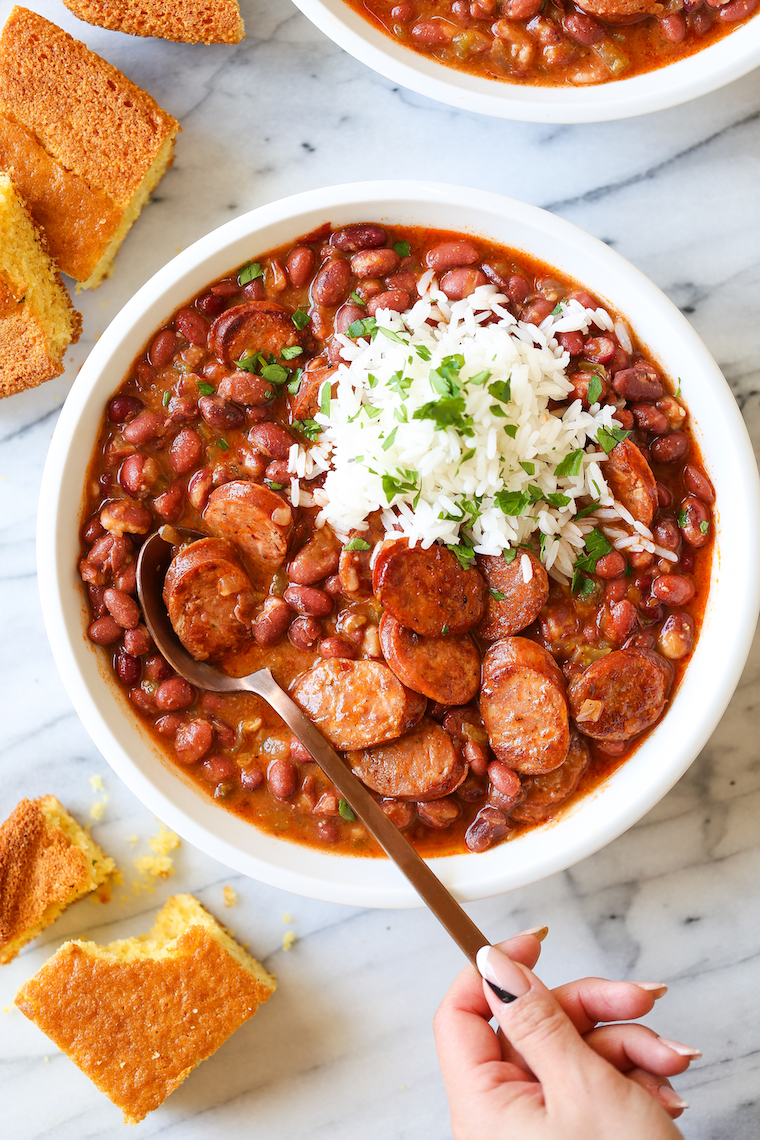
x=459, y=925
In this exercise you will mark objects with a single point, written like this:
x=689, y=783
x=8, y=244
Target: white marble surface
x=344, y=1049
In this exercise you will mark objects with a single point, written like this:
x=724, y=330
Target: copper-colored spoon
x=152, y=565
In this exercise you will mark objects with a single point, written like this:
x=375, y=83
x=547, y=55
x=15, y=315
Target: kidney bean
x=572, y=342
x=697, y=483
x=244, y=388
x=599, y=349
x=218, y=770
x=476, y=755
x=199, y=488
x=650, y=418
x=105, y=631
x=277, y=472
x=374, y=262
x=328, y=831
x=185, y=451
x=625, y=419
x=346, y=315
x=272, y=440
x=404, y=281
x=736, y=10
x=127, y=667
x=610, y=565
x=673, y=589
x=123, y=408
x=402, y=13
x=489, y=825
x=459, y=283
x=665, y=533
x=157, y=668
x=137, y=641
x=638, y=384
x=583, y=29
x=126, y=516
x=304, y=632
x=673, y=27
x=671, y=447
x=399, y=813
x=162, y=348
x=169, y=725
x=364, y=235
x=370, y=287
x=193, y=741
x=664, y=497
x=272, y=623
x=251, y=778
x=126, y=579
x=439, y=813
x=256, y=290
x=182, y=409
x=536, y=310
x=192, y=326
x=143, y=700
x=332, y=282
x=337, y=647
x=619, y=361
x=299, y=265
x=147, y=426
x=174, y=694
x=221, y=414
x=309, y=600
x=450, y=254
x=623, y=619
x=122, y=608
x=138, y=473
x=92, y=531
x=299, y=751
x=229, y=287
x=95, y=596
x=397, y=300
x=210, y=304
x=110, y=552
x=504, y=780
x=694, y=521
x=675, y=412
x=168, y=505
x=333, y=585
x=676, y=636
x=282, y=777
x=616, y=589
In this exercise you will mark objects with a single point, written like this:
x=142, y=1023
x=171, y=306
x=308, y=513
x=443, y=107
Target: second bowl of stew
x=462, y=478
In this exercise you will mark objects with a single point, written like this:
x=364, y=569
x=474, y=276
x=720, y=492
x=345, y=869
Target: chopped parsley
x=357, y=300
x=275, y=373
x=346, y=810
x=704, y=526
x=393, y=487
x=423, y=352
x=365, y=326
x=464, y=552
x=167, y=397
x=388, y=441
x=594, y=390
x=391, y=335
x=607, y=438
x=356, y=544
x=581, y=514
x=597, y=545
x=309, y=428
x=325, y=395
x=497, y=595
x=274, y=486
x=570, y=465
x=300, y=319
x=295, y=381
x=500, y=391
x=448, y=411
x=557, y=309
x=222, y=443
x=248, y=363
x=402, y=248
x=291, y=351
x=528, y=468
x=206, y=389
x=250, y=271
x=444, y=631
x=481, y=378
x=509, y=555
x=510, y=430
x=513, y=502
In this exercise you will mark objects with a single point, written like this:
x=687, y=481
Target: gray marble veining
x=345, y=1048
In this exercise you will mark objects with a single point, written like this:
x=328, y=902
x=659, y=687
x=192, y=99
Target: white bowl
x=728, y=59
x=712, y=673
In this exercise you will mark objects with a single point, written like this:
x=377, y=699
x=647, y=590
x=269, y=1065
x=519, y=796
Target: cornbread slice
x=138, y=1015
x=84, y=145
x=190, y=21
x=47, y=861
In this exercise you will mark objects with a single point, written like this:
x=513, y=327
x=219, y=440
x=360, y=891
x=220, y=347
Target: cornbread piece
x=190, y=21
x=47, y=861
x=138, y=1015
x=83, y=144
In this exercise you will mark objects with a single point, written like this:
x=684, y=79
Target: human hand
x=556, y=1073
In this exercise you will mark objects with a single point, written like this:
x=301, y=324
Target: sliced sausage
x=209, y=598
x=317, y=559
x=259, y=326
x=525, y=714
x=304, y=404
x=422, y=765
x=445, y=669
x=631, y=481
x=522, y=601
x=543, y=794
x=521, y=652
x=609, y=9
x=255, y=518
x=427, y=590
x=357, y=704
x=354, y=566
x=621, y=694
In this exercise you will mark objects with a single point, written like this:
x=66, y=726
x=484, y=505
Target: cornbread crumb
x=188, y=21
x=109, y=1007
x=287, y=918
x=164, y=842
x=160, y=865
x=133, y=840
x=288, y=939
x=97, y=809
x=230, y=897
x=96, y=783
x=47, y=862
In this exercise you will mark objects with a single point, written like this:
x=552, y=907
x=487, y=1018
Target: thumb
x=536, y=1026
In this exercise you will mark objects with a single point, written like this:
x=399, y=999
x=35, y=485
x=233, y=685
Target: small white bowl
x=712, y=673
x=731, y=57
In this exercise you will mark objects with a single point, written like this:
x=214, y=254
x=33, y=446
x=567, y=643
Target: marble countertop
x=345, y=1048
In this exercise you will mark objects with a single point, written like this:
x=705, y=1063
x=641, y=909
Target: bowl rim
x=587, y=826
x=731, y=57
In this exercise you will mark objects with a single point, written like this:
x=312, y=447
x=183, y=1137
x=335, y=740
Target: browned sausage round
x=522, y=601
x=522, y=653
x=255, y=518
x=621, y=694
x=244, y=330
x=357, y=704
x=610, y=9
x=524, y=711
x=209, y=597
x=631, y=481
x=422, y=765
x=445, y=669
x=542, y=794
x=304, y=404
x=427, y=590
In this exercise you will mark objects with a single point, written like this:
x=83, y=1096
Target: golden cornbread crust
x=189, y=21
x=86, y=144
x=46, y=862
x=137, y=1016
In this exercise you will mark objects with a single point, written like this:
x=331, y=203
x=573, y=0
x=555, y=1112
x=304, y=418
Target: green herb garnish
x=206, y=389
x=345, y=810
x=570, y=465
x=250, y=271
x=291, y=352
x=300, y=319
x=365, y=326
x=222, y=443
x=607, y=438
x=497, y=595
x=309, y=428
x=357, y=300
x=402, y=248
x=356, y=544
x=594, y=390
x=325, y=395
x=166, y=398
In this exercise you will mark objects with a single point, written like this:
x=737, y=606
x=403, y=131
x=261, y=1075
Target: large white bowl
x=728, y=59
x=712, y=673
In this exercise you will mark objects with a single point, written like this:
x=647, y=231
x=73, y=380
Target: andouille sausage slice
x=445, y=669
x=252, y=516
x=521, y=652
x=244, y=330
x=357, y=704
x=421, y=765
x=543, y=794
x=304, y=404
x=427, y=590
x=631, y=481
x=620, y=694
x=209, y=598
x=512, y=603
x=354, y=567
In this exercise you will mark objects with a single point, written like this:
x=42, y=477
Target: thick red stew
x=475, y=694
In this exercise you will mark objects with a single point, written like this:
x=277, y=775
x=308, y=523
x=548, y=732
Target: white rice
x=445, y=478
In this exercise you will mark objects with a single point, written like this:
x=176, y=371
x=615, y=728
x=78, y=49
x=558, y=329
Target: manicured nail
x=679, y=1048
x=501, y=974
x=539, y=932
x=656, y=989
x=671, y=1098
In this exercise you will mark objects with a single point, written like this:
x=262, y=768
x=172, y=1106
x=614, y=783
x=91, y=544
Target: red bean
x=122, y=408
x=580, y=382
x=583, y=29
x=144, y=374
x=169, y=725
x=137, y=641
x=185, y=451
x=147, y=426
x=221, y=414
x=92, y=531
x=649, y=418
x=218, y=770
x=229, y=287
x=138, y=473
x=277, y=472
x=300, y=752
x=504, y=779
x=664, y=497
x=143, y=700
x=439, y=813
x=182, y=409
x=346, y=315
x=673, y=589
x=610, y=565
x=332, y=282
x=599, y=349
x=623, y=618
x=619, y=361
x=327, y=830
x=127, y=667
x=110, y=552
x=125, y=516
x=665, y=533
x=272, y=440
x=192, y=326
x=105, y=631
x=676, y=636
x=122, y=608
x=673, y=27
x=337, y=647
x=476, y=756
x=364, y=235
x=450, y=254
x=625, y=419
x=374, y=262
x=162, y=348
x=671, y=447
x=168, y=505
x=272, y=623
x=459, y=283
x=536, y=310
x=193, y=741
x=697, y=483
x=309, y=600
x=304, y=632
x=199, y=488
x=736, y=10
x=402, y=13
x=244, y=388
x=397, y=300
x=638, y=384
x=489, y=825
x=694, y=521
x=405, y=281
x=157, y=668
x=256, y=290
x=282, y=777
x=299, y=265
x=616, y=589
x=572, y=342
x=174, y=694
x=210, y=304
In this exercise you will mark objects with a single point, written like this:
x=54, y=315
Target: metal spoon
x=152, y=565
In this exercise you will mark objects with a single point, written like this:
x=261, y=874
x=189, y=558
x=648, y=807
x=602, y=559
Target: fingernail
x=539, y=932
x=671, y=1098
x=502, y=975
x=657, y=989
x=679, y=1048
